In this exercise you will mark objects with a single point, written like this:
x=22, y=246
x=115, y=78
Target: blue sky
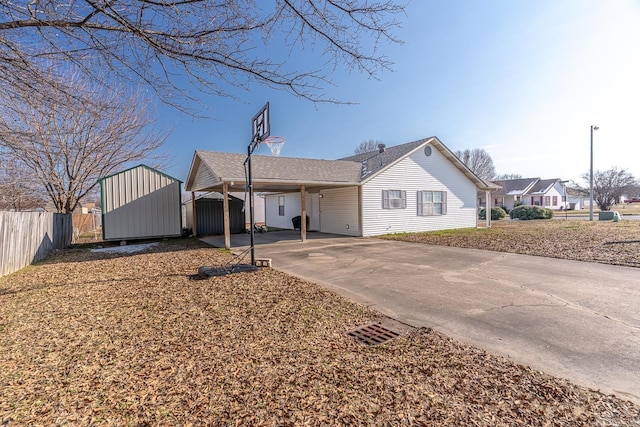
x=523, y=80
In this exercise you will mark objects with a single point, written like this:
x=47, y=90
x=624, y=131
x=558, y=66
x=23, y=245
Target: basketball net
x=275, y=144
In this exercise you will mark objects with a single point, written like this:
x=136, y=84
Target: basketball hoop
x=275, y=144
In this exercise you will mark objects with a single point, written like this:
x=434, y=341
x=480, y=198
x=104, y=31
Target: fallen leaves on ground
x=113, y=339
x=604, y=242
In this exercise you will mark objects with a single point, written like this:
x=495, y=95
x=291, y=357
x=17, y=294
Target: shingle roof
x=231, y=166
x=374, y=161
x=542, y=186
x=516, y=186
x=273, y=173
x=520, y=187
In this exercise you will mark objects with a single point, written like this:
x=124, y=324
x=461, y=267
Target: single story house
x=418, y=186
x=548, y=193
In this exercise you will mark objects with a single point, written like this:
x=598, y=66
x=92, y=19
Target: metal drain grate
x=373, y=334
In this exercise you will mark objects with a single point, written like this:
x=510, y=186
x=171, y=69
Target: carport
x=225, y=172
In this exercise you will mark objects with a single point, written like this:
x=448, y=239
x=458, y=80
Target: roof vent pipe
x=381, y=148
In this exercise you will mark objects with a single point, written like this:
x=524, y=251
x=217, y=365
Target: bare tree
x=508, y=176
x=479, y=161
x=17, y=189
x=67, y=145
x=217, y=45
x=367, y=146
x=609, y=186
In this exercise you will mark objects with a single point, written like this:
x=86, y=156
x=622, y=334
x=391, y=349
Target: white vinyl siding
x=339, y=211
x=412, y=174
x=291, y=209
x=273, y=209
x=204, y=178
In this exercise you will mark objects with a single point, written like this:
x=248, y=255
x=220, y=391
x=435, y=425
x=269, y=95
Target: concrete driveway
x=575, y=320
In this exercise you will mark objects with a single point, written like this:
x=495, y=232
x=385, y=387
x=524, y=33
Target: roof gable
x=375, y=161
x=543, y=185
x=517, y=187
x=136, y=167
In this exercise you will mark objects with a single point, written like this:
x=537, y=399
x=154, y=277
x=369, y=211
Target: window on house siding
x=431, y=203
x=555, y=201
x=394, y=199
x=280, y=205
x=547, y=200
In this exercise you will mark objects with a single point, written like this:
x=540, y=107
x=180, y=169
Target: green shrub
x=530, y=212
x=496, y=213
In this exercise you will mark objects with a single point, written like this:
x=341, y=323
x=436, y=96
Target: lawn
x=135, y=340
x=604, y=242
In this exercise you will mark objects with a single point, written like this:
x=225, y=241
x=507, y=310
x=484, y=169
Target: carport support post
x=487, y=208
x=193, y=214
x=303, y=216
x=225, y=204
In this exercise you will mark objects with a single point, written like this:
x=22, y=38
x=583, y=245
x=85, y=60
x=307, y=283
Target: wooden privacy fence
x=27, y=237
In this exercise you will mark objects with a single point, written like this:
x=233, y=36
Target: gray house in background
x=140, y=203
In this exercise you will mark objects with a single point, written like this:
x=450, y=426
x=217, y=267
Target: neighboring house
x=548, y=193
x=577, y=199
x=418, y=186
x=632, y=195
x=140, y=203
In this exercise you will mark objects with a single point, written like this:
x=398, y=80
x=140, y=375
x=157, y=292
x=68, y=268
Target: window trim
x=280, y=206
x=421, y=204
x=386, y=199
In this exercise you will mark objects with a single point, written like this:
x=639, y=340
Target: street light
x=591, y=176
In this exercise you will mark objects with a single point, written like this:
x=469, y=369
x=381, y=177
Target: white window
x=394, y=199
x=431, y=203
x=280, y=205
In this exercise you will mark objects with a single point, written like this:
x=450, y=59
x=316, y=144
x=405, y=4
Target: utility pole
x=591, y=176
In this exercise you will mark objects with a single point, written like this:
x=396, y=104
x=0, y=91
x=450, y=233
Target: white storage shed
x=140, y=203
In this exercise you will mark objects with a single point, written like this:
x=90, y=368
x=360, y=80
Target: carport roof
x=270, y=173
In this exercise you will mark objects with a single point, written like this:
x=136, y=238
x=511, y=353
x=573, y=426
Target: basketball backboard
x=260, y=126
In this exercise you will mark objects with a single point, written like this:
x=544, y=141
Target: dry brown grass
x=95, y=339
x=605, y=242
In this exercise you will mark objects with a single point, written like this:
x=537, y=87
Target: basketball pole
x=250, y=149
x=260, y=129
